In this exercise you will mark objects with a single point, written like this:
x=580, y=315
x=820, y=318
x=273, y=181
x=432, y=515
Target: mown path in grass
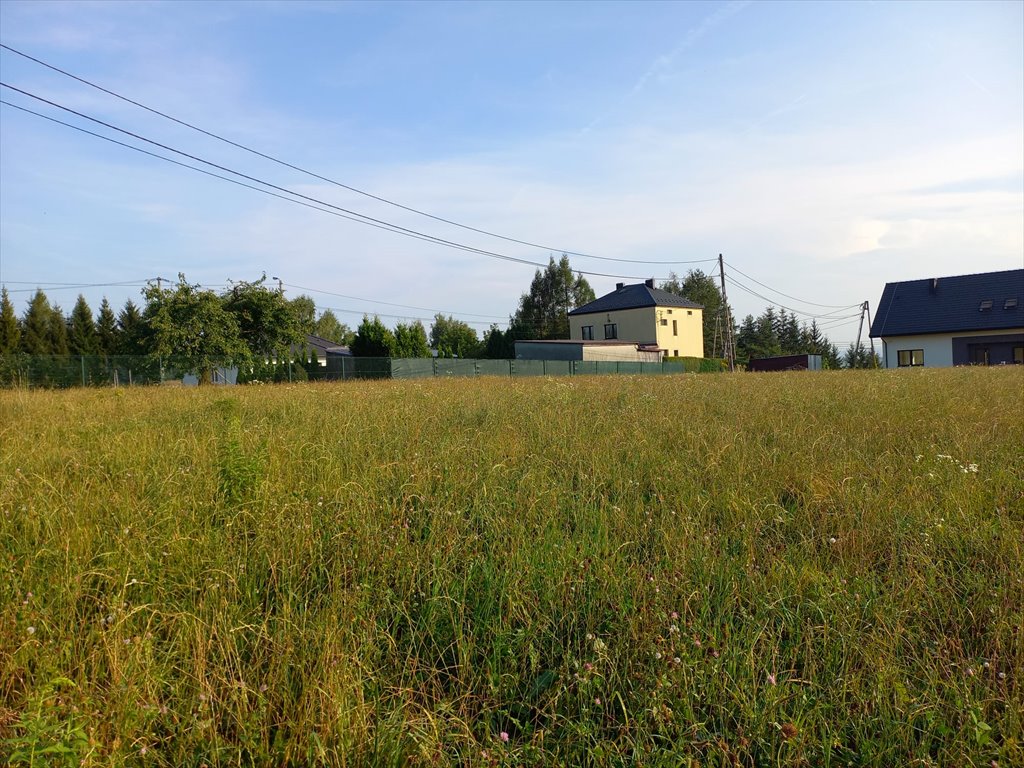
x=821, y=569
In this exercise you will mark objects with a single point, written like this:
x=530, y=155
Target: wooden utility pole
x=730, y=352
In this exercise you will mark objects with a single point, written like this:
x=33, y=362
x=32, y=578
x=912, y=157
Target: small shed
x=786, y=363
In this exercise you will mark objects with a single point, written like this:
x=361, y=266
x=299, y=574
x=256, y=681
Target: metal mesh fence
x=56, y=371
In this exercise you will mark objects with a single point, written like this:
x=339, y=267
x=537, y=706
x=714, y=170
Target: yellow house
x=644, y=314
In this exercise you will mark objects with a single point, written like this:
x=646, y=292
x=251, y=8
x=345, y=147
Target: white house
x=944, y=321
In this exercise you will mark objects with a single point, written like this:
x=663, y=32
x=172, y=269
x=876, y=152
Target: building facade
x=946, y=321
x=645, y=315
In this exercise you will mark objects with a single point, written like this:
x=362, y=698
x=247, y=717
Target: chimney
x=935, y=285
x=619, y=286
x=649, y=282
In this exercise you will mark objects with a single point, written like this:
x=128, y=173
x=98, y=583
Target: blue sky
x=824, y=148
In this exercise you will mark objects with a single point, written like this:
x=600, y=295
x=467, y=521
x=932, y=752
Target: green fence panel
x=527, y=367
x=651, y=368
x=605, y=367
x=584, y=367
x=558, y=367
x=447, y=366
x=493, y=367
x=412, y=368
x=628, y=367
x=673, y=366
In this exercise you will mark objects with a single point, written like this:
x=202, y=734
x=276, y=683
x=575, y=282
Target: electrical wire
x=392, y=304
x=361, y=218
x=338, y=183
x=776, y=290
x=733, y=281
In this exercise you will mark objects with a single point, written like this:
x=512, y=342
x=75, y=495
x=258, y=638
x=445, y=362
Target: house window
x=675, y=353
x=689, y=311
x=1018, y=355
x=588, y=332
x=675, y=327
x=669, y=311
x=611, y=331
x=907, y=358
x=664, y=321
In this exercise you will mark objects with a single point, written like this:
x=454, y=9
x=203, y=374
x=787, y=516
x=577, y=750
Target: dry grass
x=782, y=569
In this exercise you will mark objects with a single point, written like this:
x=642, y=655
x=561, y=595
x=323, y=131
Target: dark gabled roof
x=951, y=304
x=634, y=297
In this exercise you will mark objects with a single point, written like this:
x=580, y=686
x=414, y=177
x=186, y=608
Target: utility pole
x=865, y=309
x=730, y=353
x=280, y=285
x=874, y=360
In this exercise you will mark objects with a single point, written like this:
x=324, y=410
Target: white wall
x=938, y=347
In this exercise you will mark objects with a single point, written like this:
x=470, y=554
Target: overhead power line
x=392, y=304
x=776, y=290
x=332, y=181
x=359, y=217
x=783, y=306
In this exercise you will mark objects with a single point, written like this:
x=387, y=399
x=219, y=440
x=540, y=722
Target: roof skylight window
x=985, y=305
x=1010, y=303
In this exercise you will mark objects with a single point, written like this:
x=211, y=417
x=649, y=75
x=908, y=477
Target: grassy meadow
x=806, y=569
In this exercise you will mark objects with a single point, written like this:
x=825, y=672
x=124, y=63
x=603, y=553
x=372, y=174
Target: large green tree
x=373, y=339
x=453, y=338
x=10, y=330
x=411, y=340
x=327, y=326
x=193, y=330
x=543, y=313
x=81, y=329
x=35, y=326
x=702, y=289
x=267, y=322
x=106, y=329
x=133, y=333
x=57, y=332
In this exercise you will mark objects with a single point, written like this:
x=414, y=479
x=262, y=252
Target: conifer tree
x=106, y=329
x=57, y=332
x=10, y=331
x=411, y=340
x=35, y=326
x=81, y=329
x=131, y=337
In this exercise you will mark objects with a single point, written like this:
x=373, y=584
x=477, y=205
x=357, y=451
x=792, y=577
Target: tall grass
x=821, y=569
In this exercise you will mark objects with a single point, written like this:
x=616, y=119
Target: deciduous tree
x=453, y=338
x=193, y=329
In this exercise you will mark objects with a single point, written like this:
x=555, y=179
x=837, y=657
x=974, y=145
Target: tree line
x=251, y=326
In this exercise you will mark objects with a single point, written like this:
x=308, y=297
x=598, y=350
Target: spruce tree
x=10, y=331
x=131, y=334
x=57, y=332
x=35, y=326
x=106, y=329
x=81, y=329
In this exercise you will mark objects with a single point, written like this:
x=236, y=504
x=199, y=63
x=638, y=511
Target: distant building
x=645, y=315
x=944, y=321
x=591, y=351
x=785, y=363
x=321, y=347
